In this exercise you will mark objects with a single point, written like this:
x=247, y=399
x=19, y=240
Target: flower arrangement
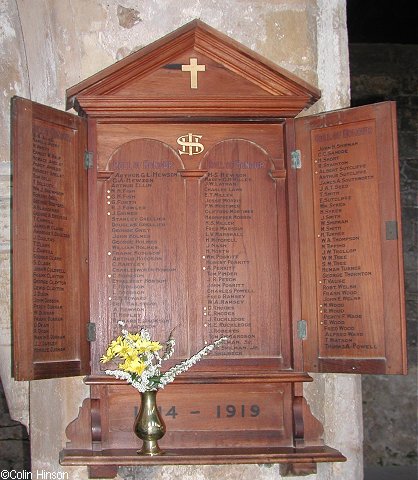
x=142, y=360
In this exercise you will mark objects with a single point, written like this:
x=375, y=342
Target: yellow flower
x=143, y=346
x=133, y=366
x=109, y=355
x=116, y=345
x=119, y=348
x=155, y=346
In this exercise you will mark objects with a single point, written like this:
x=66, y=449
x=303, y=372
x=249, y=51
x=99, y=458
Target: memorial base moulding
x=102, y=435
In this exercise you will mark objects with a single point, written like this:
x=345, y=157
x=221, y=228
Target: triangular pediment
x=195, y=70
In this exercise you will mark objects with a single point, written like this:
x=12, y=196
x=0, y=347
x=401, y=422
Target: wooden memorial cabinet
x=186, y=195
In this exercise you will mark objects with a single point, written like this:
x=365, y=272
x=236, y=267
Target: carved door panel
x=351, y=241
x=193, y=226
x=50, y=238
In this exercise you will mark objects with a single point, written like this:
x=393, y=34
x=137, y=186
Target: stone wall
x=378, y=73
x=50, y=45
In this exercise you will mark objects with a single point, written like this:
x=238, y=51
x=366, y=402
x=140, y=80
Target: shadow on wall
x=14, y=441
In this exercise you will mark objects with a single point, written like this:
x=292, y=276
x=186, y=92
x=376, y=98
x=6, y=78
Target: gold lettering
x=190, y=144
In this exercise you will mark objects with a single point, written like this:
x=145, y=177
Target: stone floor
x=14, y=441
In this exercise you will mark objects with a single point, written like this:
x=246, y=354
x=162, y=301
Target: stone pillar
x=50, y=45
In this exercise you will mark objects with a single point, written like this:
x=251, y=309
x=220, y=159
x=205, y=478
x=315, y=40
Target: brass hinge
x=302, y=330
x=91, y=332
x=296, y=159
x=88, y=160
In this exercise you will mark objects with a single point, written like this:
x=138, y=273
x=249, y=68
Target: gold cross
x=193, y=68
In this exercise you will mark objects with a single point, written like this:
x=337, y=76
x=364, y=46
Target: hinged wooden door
x=350, y=241
x=50, y=239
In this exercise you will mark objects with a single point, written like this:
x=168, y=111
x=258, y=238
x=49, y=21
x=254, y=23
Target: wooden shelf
x=219, y=377
x=201, y=456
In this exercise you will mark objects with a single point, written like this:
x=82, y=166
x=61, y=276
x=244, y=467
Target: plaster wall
x=47, y=46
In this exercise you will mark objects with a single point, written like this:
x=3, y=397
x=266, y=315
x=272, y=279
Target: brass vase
x=149, y=425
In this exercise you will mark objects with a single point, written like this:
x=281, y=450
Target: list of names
x=240, y=239
x=344, y=167
x=143, y=250
x=50, y=235
x=228, y=287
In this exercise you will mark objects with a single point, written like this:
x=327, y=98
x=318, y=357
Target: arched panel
x=242, y=292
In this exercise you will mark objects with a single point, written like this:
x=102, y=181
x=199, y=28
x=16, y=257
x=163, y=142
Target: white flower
x=182, y=367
